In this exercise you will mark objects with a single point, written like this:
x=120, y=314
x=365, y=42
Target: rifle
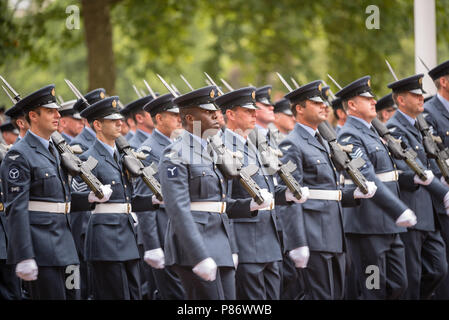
x=136, y=168
x=342, y=160
x=270, y=159
x=434, y=147
x=77, y=167
x=399, y=149
x=231, y=167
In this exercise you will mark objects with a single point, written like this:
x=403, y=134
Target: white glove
x=446, y=203
x=290, y=197
x=371, y=191
x=27, y=270
x=155, y=200
x=268, y=199
x=235, y=258
x=155, y=258
x=300, y=256
x=206, y=269
x=443, y=181
x=406, y=219
x=107, y=191
x=426, y=182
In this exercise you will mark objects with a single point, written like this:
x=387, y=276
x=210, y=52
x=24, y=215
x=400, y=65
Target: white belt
x=208, y=206
x=53, y=207
x=325, y=194
x=112, y=208
x=384, y=177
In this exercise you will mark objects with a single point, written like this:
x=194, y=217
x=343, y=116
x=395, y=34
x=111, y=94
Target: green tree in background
x=121, y=42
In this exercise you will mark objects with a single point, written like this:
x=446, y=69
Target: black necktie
x=52, y=150
x=320, y=139
x=116, y=157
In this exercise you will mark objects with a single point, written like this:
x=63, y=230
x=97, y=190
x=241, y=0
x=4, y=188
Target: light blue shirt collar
x=200, y=140
x=144, y=133
x=44, y=142
x=239, y=137
x=163, y=135
x=110, y=149
x=264, y=130
x=91, y=131
x=367, y=124
x=409, y=119
x=444, y=102
x=310, y=130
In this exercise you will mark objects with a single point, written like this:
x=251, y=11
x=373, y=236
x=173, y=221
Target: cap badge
x=53, y=92
x=102, y=95
x=269, y=91
x=114, y=103
x=420, y=81
x=319, y=87
x=369, y=82
x=212, y=93
x=253, y=94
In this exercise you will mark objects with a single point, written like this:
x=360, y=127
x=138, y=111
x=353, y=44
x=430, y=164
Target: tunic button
x=46, y=174
x=127, y=198
x=113, y=182
x=389, y=153
x=377, y=148
x=318, y=161
x=204, y=173
x=215, y=167
x=223, y=195
x=221, y=180
x=417, y=147
x=447, y=133
x=125, y=186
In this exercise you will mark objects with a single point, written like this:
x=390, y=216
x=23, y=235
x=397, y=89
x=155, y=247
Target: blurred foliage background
x=121, y=42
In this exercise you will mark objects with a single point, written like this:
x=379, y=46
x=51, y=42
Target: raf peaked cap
x=310, y=91
x=243, y=97
x=360, y=87
x=440, y=70
x=44, y=97
x=91, y=97
x=7, y=126
x=336, y=104
x=67, y=110
x=202, y=98
x=136, y=105
x=283, y=106
x=411, y=84
x=263, y=95
x=161, y=104
x=104, y=109
x=385, y=102
x=14, y=112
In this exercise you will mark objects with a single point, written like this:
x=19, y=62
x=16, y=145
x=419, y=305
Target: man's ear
x=139, y=118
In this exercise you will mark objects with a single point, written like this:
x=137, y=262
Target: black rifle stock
x=270, y=160
x=77, y=167
x=434, y=147
x=399, y=149
x=341, y=158
x=231, y=167
x=136, y=168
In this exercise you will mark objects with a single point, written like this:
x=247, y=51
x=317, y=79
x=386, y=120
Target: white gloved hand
x=155, y=200
x=406, y=219
x=300, y=256
x=206, y=269
x=27, y=270
x=268, y=199
x=428, y=181
x=446, y=203
x=290, y=197
x=358, y=194
x=155, y=258
x=107, y=191
x=235, y=258
x=443, y=181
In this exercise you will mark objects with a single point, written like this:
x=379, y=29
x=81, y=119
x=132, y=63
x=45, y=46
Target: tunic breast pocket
x=379, y=157
x=202, y=182
x=46, y=181
x=317, y=169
